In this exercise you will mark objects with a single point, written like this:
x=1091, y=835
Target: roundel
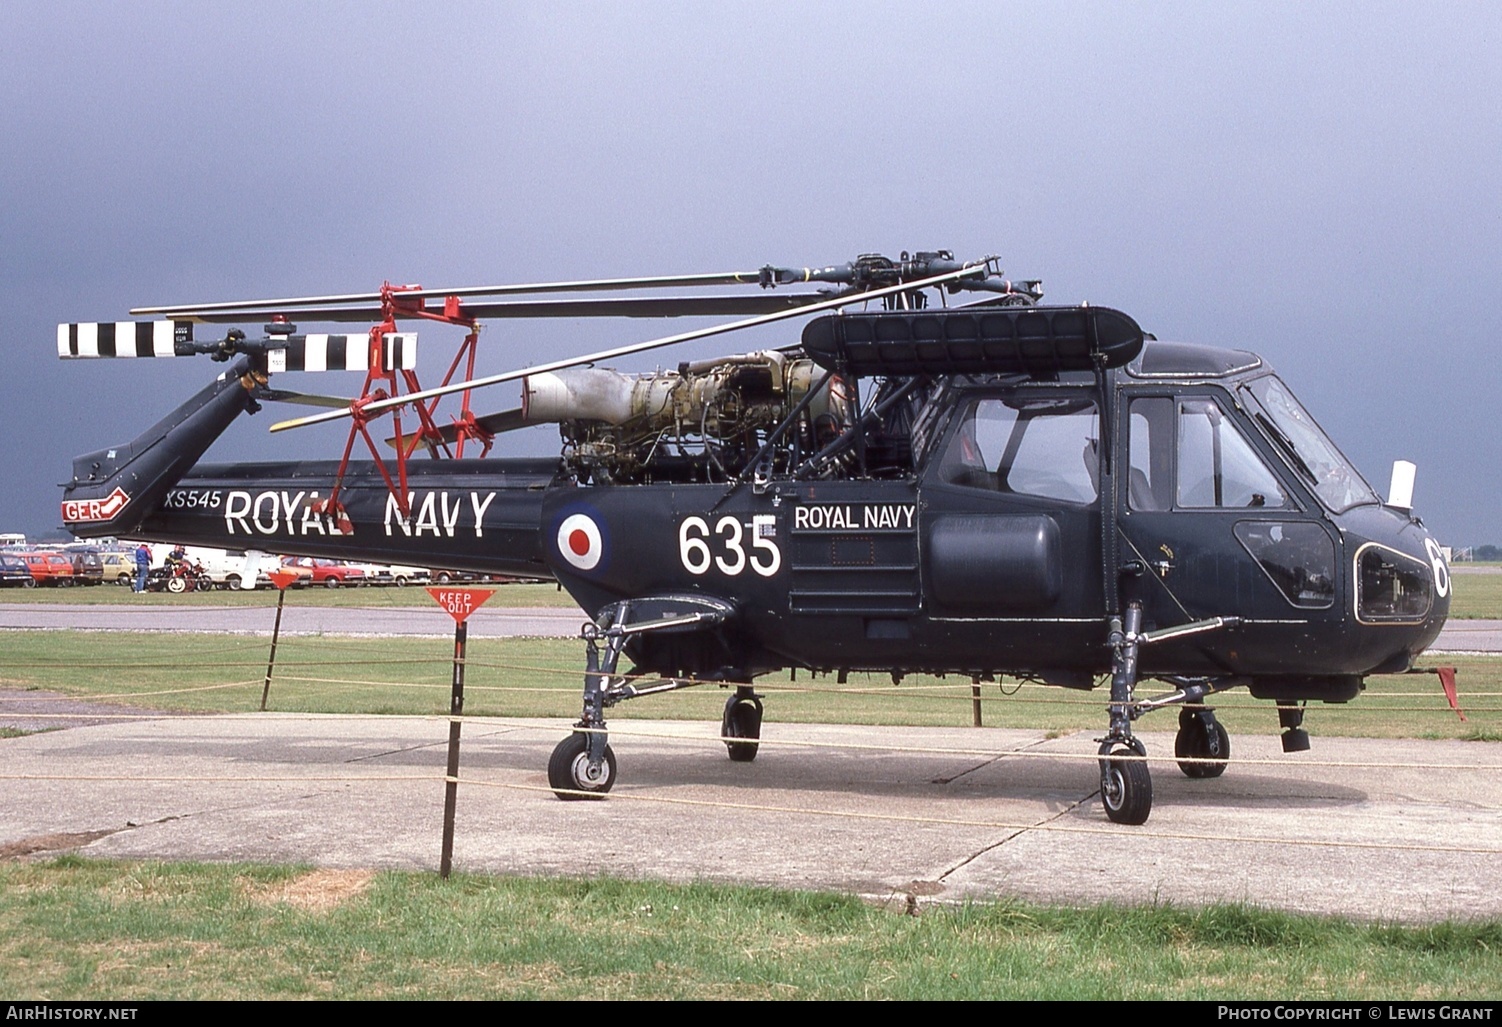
x=579, y=541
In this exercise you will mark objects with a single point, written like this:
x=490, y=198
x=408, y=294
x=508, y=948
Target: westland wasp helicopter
x=940, y=476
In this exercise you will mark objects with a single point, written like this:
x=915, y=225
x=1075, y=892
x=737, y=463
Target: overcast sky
x=1316, y=182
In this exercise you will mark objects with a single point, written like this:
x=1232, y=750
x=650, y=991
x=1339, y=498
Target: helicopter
x=940, y=475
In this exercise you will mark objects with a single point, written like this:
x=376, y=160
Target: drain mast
x=459, y=603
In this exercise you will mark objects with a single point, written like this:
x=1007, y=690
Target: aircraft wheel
x=177, y=585
x=1195, y=741
x=742, y=720
x=1126, y=789
x=568, y=769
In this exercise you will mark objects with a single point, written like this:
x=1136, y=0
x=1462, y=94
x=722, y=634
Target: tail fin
x=115, y=489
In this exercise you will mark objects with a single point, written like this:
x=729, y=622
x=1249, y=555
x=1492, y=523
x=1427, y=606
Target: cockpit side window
x=1150, y=479
x=1187, y=454
x=1217, y=466
x=1049, y=448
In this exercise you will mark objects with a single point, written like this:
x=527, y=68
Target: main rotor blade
x=634, y=306
x=670, y=340
x=586, y=285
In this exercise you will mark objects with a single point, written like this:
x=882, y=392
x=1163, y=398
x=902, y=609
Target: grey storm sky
x=1315, y=182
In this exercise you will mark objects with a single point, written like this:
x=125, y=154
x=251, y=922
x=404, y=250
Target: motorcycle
x=180, y=577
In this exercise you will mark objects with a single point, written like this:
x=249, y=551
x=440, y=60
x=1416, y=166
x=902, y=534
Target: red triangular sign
x=460, y=602
x=281, y=579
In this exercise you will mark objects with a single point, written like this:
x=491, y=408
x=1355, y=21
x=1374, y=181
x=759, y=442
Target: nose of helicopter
x=1400, y=579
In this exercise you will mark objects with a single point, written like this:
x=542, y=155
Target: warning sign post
x=281, y=579
x=459, y=603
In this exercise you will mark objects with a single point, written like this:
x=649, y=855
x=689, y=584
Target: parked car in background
x=391, y=574
x=14, y=573
x=402, y=576
x=88, y=569
x=330, y=573
x=49, y=567
x=117, y=566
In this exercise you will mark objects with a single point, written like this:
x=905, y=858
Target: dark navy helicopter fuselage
x=1030, y=491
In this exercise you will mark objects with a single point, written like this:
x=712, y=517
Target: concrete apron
x=942, y=814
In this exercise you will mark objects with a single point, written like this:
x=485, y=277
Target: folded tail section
x=115, y=489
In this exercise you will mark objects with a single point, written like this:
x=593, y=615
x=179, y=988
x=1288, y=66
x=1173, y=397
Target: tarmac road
x=420, y=620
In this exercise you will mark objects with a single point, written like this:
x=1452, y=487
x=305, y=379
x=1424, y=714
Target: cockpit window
x=1217, y=467
x=1042, y=447
x=1306, y=447
x=1187, y=454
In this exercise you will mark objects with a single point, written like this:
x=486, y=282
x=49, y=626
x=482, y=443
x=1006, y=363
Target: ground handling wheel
x=569, y=773
x=1197, y=740
x=1126, y=788
x=742, y=720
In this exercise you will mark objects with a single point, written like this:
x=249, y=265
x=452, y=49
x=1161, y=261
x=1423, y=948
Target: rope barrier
x=991, y=753
x=1369, y=704
x=1051, y=826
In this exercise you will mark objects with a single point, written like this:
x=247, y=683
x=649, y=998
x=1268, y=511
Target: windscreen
x=1306, y=446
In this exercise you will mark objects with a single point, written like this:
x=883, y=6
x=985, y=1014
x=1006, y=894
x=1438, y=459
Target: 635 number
x=695, y=542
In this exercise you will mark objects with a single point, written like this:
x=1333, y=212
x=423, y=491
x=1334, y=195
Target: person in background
x=143, y=567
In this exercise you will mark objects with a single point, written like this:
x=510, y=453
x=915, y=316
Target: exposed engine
x=703, y=422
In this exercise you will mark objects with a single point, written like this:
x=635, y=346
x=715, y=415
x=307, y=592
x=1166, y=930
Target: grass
x=543, y=678
x=1476, y=595
x=74, y=929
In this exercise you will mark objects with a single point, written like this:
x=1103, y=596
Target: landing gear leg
x=583, y=765
x=742, y=720
x=1126, y=787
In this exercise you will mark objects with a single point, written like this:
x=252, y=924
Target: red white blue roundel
x=579, y=541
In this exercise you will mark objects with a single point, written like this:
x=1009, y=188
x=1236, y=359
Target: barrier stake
x=281, y=579
x=460, y=603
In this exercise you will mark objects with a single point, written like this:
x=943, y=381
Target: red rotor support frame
x=384, y=380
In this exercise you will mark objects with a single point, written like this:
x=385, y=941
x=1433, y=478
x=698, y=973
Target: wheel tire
x=1195, y=742
x=401, y=581
x=1126, y=789
x=122, y=579
x=568, y=770
x=444, y=578
x=742, y=720
x=232, y=582
x=331, y=582
x=176, y=585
